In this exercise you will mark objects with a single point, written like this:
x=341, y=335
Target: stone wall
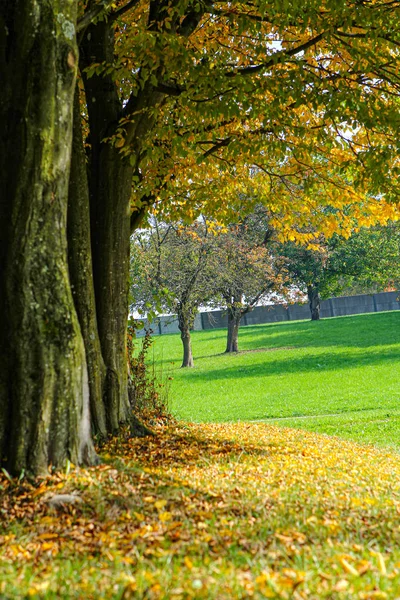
x=334, y=307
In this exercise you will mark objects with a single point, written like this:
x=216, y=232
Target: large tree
x=179, y=100
x=182, y=100
x=44, y=394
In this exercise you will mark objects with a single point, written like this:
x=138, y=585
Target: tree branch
x=100, y=8
x=277, y=57
x=217, y=146
x=92, y=14
x=121, y=11
x=169, y=89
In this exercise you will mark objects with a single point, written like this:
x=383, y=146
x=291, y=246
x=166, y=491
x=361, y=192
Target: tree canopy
x=296, y=102
x=370, y=256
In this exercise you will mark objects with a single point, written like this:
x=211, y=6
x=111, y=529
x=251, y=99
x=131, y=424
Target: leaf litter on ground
x=209, y=511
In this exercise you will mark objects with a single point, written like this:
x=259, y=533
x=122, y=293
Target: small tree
x=248, y=269
x=311, y=271
x=173, y=272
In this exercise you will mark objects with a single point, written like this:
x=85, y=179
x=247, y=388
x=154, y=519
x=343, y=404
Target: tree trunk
x=184, y=324
x=110, y=184
x=44, y=393
x=110, y=189
x=81, y=273
x=187, y=348
x=234, y=317
x=314, y=302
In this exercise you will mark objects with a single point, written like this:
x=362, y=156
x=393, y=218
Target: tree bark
x=81, y=273
x=184, y=324
x=187, y=349
x=110, y=190
x=44, y=392
x=234, y=318
x=314, y=302
x=110, y=184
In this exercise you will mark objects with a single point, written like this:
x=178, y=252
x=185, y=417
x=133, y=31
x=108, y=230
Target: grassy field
x=232, y=511
x=338, y=376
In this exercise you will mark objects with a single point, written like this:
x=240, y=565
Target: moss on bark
x=44, y=384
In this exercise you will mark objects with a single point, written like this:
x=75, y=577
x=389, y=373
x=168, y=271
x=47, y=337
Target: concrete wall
x=334, y=307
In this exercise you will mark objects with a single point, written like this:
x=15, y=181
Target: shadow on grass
x=142, y=511
x=310, y=363
x=197, y=451
x=358, y=331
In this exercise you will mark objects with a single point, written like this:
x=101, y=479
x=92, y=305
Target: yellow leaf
x=348, y=567
x=129, y=591
x=165, y=516
x=47, y=546
x=262, y=579
x=188, y=562
x=37, y=588
x=160, y=504
x=47, y=536
x=381, y=563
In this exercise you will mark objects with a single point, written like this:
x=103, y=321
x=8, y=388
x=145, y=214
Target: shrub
x=148, y=386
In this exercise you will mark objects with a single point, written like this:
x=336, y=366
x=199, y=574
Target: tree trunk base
x=138, y=429
x=232, y=343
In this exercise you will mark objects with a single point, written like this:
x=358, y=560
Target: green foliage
x=367, y=257
x=374, y=257
x=256, y=96
x=249, y=267
x=173, y=268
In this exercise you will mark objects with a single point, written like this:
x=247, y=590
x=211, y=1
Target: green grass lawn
x=338, y=376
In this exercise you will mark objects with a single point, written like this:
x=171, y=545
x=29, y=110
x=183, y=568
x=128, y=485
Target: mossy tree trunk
x=110, y=183
x=44, y=394
x=110, y=173
x=110, y=176
x=81, y=273
x=110, y=188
